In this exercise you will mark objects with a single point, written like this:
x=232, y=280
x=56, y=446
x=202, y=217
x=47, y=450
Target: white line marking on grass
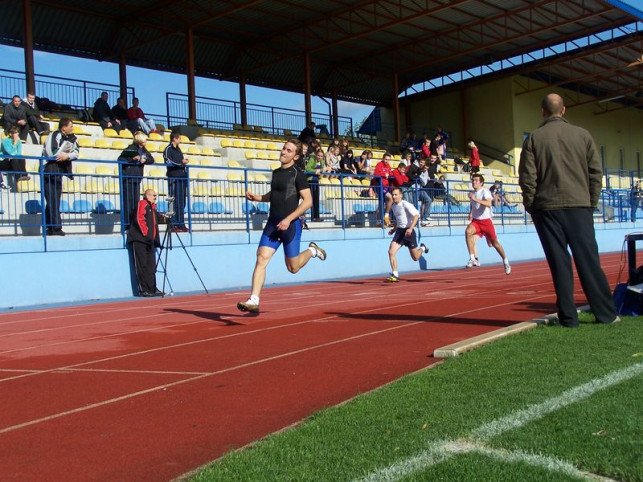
x=443, y=450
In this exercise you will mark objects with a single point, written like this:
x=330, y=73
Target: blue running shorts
x=290, y=238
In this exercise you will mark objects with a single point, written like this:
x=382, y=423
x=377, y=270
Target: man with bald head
x=560, y=176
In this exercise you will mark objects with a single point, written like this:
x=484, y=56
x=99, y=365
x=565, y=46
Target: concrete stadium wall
x=97, y=268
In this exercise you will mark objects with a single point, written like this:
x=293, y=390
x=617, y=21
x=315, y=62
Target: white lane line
x=442, y=450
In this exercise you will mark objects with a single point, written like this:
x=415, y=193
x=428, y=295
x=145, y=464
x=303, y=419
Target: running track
x=150, y=389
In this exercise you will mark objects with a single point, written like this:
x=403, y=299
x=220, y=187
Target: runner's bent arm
x=305, y=205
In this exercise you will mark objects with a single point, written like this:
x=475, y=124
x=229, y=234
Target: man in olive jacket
x=560, y=176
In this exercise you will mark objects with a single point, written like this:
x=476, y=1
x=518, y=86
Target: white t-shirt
x=404, y=213
x=478, y=211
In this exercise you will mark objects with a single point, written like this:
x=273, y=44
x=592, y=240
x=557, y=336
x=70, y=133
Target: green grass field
x=547, y=404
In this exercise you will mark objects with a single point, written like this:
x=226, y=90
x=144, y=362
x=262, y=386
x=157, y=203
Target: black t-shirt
x=284, y=191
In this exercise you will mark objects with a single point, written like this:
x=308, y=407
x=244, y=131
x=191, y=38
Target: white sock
x=254, y=299
x=505, y=260
x=396, y=274
x=473, y=257
x=312, y=250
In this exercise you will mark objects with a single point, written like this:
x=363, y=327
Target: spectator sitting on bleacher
x=332, y=159
x=425, y=150
x=119, y=111
x=135, y=114
x=434, y=166
x=363, y=164
x=347, y=164
x=103, y=115
x=133, y=159
x=307, y=134
x=499, y=196
x=15, y=114
x=418, y=174
x=178, y=180
x=442, y=138
x=61, y=149
x=440, y=192
x=343, y=147
x=34, y=118
x=405, y=143
x=12, y=146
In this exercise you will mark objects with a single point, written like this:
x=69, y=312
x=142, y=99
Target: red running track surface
x=150, y=389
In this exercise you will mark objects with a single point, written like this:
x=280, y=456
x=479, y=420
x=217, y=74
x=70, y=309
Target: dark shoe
x=158, y=293
x=248, y=306
x=146, y=294
x=55, y=232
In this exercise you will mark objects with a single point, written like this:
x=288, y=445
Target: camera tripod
x=167, y=245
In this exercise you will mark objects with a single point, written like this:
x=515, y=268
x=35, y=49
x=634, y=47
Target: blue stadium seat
x=370, y=208
x=162, y=207
x=248, y=208
x=81, y=206
x=104, y=206
x=358, y=208
x=65, y=207
x=323, y=210
x=263, y=208
x=199, y=208
x=217, y=207
x=32, y=206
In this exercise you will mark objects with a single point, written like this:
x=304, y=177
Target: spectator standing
x=34, y=117
x=143, y=237
x=474, y=159
x=314, y=168
x=15, y=114
x=380, y=184
x=178, y=180
x=425, y=150
x=307, y=134
x=287, y=188
x=481, y=224
x=61, y=149
x=560, y=175
x=420, y=189
x=136, y=116
x=635, y=199
x=406, y=218
x=12, y=146
x=133, y=160
x=442, y=138
x=103, y=114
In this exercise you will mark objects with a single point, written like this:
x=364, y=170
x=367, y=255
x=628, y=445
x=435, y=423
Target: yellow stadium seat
x=272, y=146
x=261, y=178
x=234, y=191
x=111, y=187
x=26, y=186
x=207, y=162
x=216, y=190
x=102, y=144
x=263, y=155
x=324, y=180
x=199, y=190
x=158, y=158
x=92, y=186
x=32, y=167
x=110, y=132
x=275, y=165
x=207, y=151
x=366, y=182
x=249, y=145
x=237, y=143
x=195, y=162
x=85, y=142
x=156, y=173
x=233, y=164
x=250, y=154
x=226, y=143
x=71, y=186
x=185, y=139
x=126, y=134
x=152, y=146
x=83, y=169
x=234, y=176
x=155, y=136
x=119, y=145
x=103, y=170
x=273, y=156
x=203, y=175
x=335, y=181
x=261, y=145
x=195, y=151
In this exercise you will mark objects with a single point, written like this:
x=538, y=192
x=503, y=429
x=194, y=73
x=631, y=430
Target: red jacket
x=383, y=169
x=474, y=160
x=134, y=113
x=399, y=178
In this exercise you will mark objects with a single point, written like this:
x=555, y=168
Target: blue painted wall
x=84, y=268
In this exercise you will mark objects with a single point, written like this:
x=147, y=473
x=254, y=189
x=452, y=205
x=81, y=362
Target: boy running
x=406, y=217
x=481, y=224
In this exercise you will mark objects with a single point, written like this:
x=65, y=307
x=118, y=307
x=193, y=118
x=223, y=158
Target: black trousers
x=36, y=124
x=53, y=193
x=145, y=266
x=314, y=191
x=131, y=189
x=557, y=230
x=178, y=188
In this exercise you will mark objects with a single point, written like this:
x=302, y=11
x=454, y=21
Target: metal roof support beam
x=335, y=114
x=307, y=89
x=30, y=75
x=396, y=108
x=242, y=100
x=122, y=77
x=189, y=54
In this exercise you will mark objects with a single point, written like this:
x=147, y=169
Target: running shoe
x=424, y=247
x=387, y=220
x=469, y=264
x=392, y=278
x=507, y=268
x=248, y=305
x=425, y=223
x=476, y=263
x=321, y=254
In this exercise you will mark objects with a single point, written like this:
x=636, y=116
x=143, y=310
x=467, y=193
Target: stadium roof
x=354, y=47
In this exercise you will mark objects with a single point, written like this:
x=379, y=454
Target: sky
x=151, y=86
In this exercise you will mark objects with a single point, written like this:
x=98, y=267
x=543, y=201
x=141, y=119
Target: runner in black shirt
x=288, y=186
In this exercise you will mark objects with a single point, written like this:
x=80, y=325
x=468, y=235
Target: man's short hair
x=553, y=104
x=176, y=135
x=31, y=93
x=479, y=176
x=298, y=150
x=16, y=97
x=401, y=164
x=134, y=98
x=64, y=122
x=397, y=188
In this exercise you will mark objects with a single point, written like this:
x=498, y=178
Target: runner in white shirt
x=406, y=218
x=481, y=224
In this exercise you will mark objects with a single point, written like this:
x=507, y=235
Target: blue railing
x=225, y=114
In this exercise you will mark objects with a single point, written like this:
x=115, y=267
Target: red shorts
x=484, y=227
